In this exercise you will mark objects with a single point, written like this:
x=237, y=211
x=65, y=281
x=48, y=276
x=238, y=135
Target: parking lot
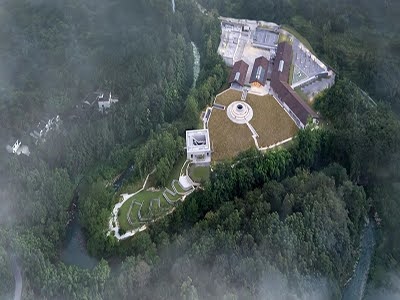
x=298, y=74
x=314, y=88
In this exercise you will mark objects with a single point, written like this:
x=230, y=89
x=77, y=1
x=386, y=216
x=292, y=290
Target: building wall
x=199, y=157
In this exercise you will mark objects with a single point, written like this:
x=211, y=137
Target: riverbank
x=75, y=251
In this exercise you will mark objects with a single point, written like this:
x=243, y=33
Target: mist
x=275, y=228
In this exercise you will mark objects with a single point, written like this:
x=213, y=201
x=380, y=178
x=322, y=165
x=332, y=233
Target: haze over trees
x=282, y=224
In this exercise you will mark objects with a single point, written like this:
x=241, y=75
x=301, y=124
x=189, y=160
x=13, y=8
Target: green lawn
x=175, y=171
x=131, y=187
x=122, y=219
x=145, y=212
x=178, y=187
x=291, y=74
x=146, y=196
x=199, y=174
x=284, y=38
x=173, y=198
x=134, y=217
x=164, y=204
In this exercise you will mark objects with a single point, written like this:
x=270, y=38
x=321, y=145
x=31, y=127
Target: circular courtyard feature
x=239, y=112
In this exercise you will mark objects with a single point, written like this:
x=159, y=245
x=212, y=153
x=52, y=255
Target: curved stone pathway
x=113, y=224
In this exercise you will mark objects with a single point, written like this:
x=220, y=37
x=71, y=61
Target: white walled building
x=18, y=149
x=104, y=100
x=198, y=146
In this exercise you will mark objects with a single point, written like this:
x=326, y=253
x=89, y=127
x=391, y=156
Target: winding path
x=114, y=215
x=113, y=224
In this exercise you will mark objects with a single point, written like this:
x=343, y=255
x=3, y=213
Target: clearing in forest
x=270, y=122
x=151, y=203
x=228, y=139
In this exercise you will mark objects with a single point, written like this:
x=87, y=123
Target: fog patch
x=391, y=292
x=276, y=286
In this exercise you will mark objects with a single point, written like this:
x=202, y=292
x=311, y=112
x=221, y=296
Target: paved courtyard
x=306, y=64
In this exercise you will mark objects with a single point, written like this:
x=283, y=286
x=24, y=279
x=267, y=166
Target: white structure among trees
x=105, y=101
x=198, y=146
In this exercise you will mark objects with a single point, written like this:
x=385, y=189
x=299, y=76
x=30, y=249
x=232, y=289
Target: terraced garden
x=152, y=203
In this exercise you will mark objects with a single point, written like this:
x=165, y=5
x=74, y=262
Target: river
x=355, y=288
x=74, y=251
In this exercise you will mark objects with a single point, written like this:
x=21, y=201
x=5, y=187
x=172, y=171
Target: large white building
x=198, y=146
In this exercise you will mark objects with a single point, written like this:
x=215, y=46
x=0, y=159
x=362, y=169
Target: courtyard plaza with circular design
x=230, y=137
x=239, y=112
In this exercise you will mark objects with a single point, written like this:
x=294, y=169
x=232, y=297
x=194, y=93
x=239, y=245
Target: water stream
x=355, y=288
x=173, y=5
x=74, y=251
x=196, y=64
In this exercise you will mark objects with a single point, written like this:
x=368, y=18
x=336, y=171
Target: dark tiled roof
x=239, y=72
x=284, y=55
x=297, y=105
x=260, y=68
x=279, y=83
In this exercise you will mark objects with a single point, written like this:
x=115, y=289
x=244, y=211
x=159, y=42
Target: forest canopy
x=285, y=223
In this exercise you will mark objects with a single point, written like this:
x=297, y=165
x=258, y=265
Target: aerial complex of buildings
x=273, y=81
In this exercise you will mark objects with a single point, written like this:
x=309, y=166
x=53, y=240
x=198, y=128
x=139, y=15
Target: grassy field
x=284, y=38
x=199, y=174
x=228, y=139
x=144, y=197
x=175, y=172
x=291, y=72
x=131, y=187
x=122, y=219
x=178, y=188
x=228, y=97
x=270, y=121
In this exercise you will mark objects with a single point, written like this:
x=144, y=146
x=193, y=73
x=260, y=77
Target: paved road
x=17, y=278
